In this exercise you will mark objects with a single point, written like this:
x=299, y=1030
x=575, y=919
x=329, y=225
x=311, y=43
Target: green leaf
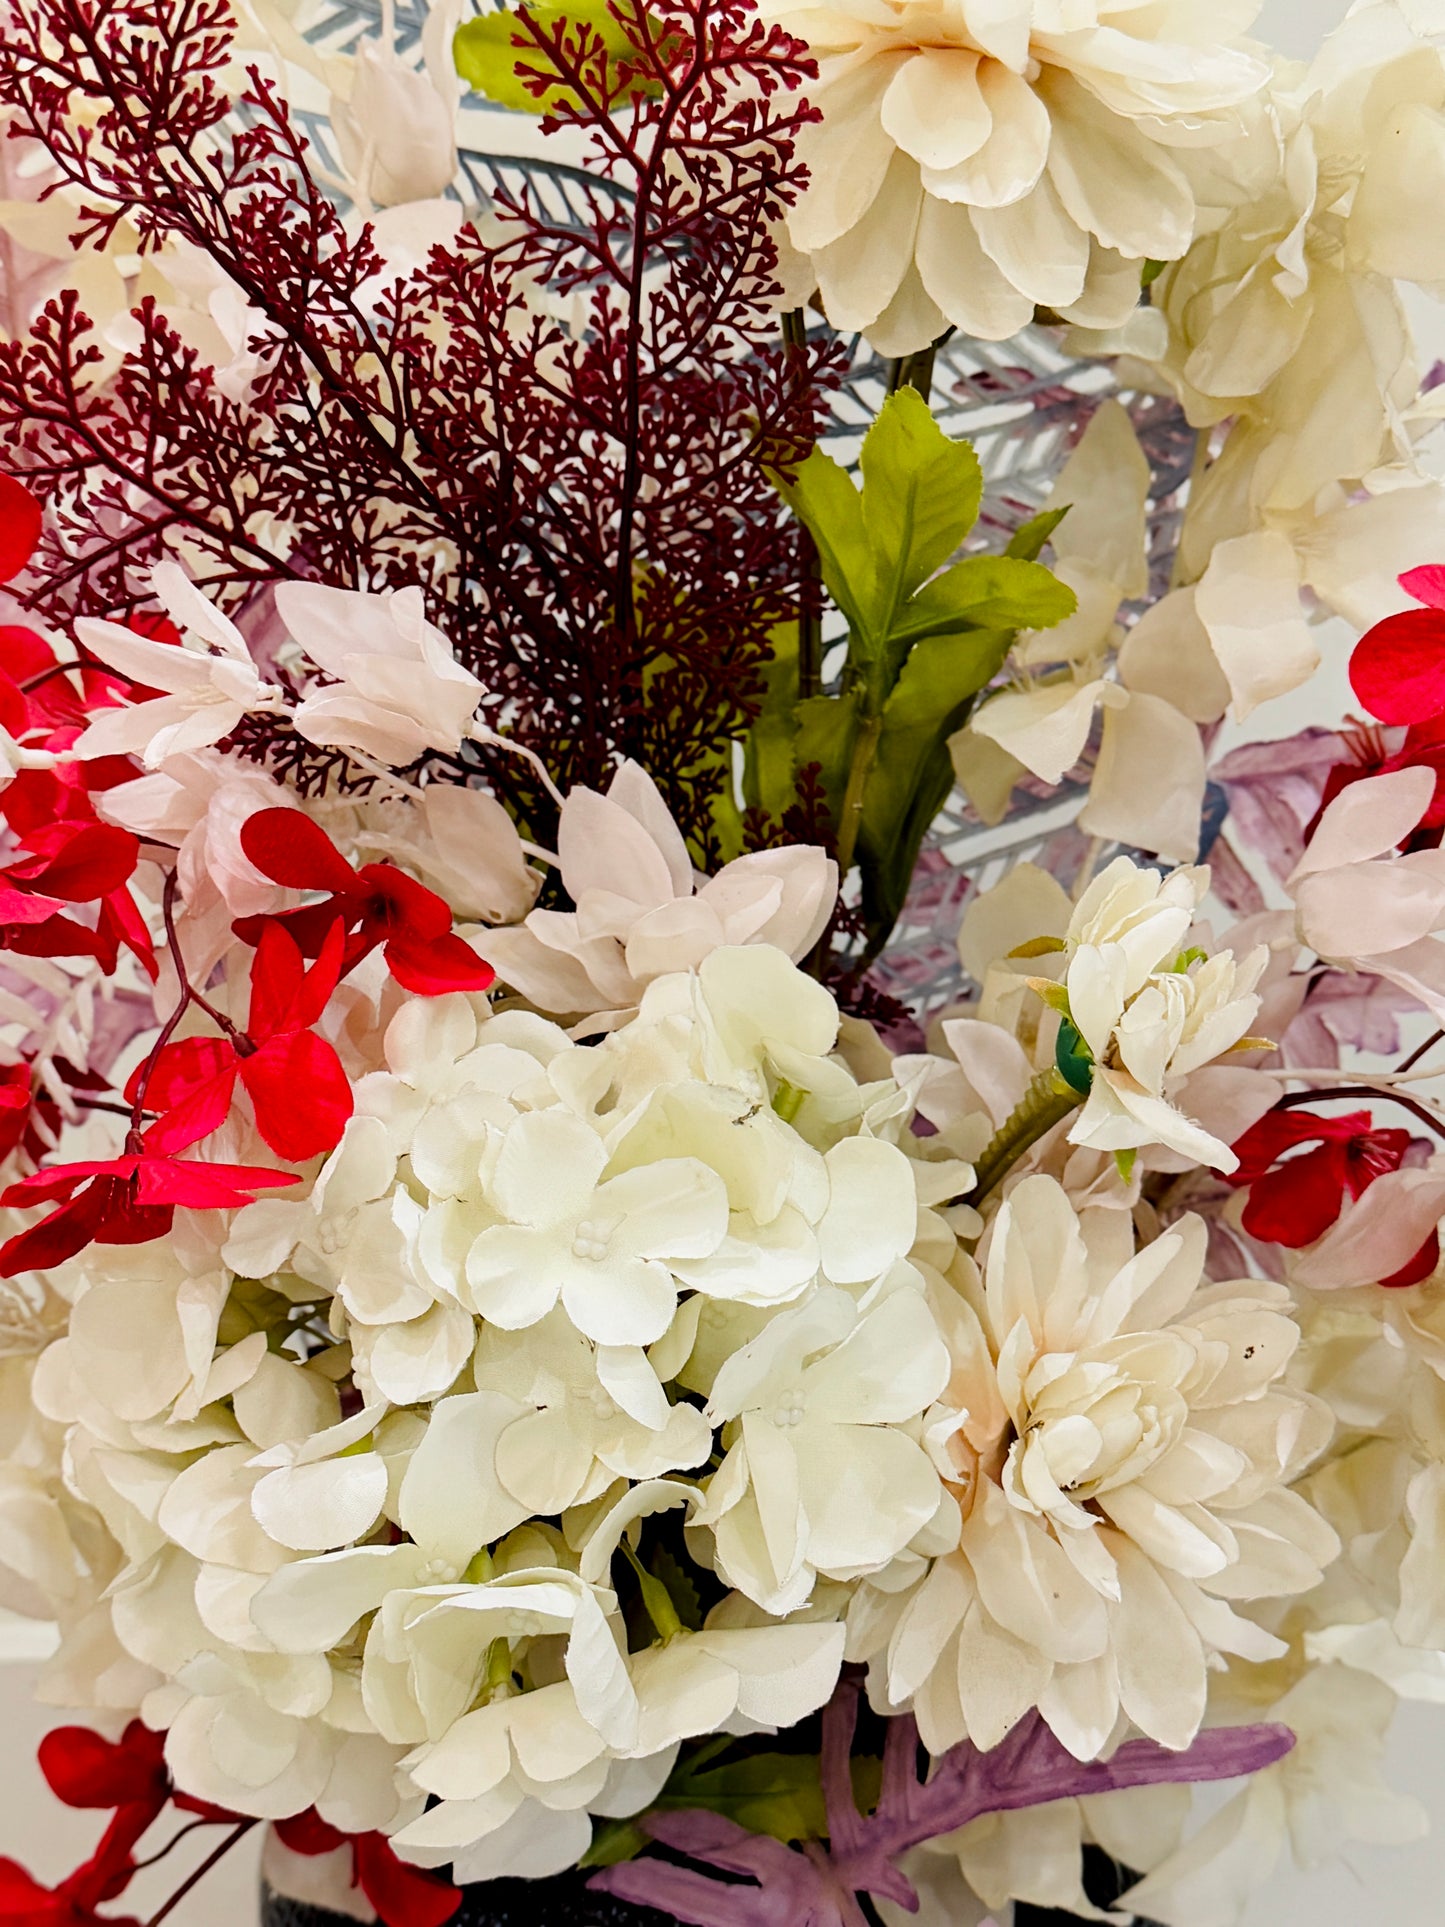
x=773, y=1793
x=779, y=1794
x=912, y=770
x=1038, y=947
x=1074, y=1059
x=1028, y=539
x=770, y=766
x=686, y=1600
x=614, y=1841
x=656, y=1599
x=986, y=592
x=921, y=494
x=486, y=57
x=826, y=729
x=822, y=496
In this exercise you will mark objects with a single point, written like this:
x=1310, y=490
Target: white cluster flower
x=576, y=1286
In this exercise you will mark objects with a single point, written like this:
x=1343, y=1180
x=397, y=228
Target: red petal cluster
x=125, y=1200
x=20, y=521
x=84, y=1769
x=1398, y=667
x=293, y=1077
x=403, y=1896
x=1294, y=1199
x=375, y=905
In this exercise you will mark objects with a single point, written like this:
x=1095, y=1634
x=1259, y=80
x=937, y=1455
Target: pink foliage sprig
x=818, y=1886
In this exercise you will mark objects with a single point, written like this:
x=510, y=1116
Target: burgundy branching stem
x=194, y=1880
x=1297, y=1099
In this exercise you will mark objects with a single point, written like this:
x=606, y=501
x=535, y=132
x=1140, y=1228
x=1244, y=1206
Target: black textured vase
x=565, y=1901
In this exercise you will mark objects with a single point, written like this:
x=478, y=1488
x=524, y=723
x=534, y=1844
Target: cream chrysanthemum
x=1121, y=1451
x=978, y=158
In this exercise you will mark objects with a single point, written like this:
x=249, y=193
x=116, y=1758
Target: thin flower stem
x=189, y=993
x=1426, y=1114
x=175, y=1840
x=200, y=1873
x=1438, y=1037
x=810, y=626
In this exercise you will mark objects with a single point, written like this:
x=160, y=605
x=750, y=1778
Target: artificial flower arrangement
x=525, y=1357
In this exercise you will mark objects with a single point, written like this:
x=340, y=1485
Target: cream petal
x=959, y=276
x=934, y=108
x=1035, y=245
x=1000, y=1678
x=847, y=153
x=861, y=272
x=1010, y=163
x=311, y=1605
x=314, y=1508
x=451, y=1500
x=1113, y=181
x=1162, y=1679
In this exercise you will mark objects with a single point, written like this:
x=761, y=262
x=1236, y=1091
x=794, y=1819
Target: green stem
x=810, y=626
x=1046, y=1102
x=865, y=749
x=916, y=370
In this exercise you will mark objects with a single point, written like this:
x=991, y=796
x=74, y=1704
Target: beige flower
x=978, y=158
x=1121, y=1450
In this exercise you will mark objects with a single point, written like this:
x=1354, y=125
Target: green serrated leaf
x=670, y=1572
x=986, y=592
x=822, y=496
x=1028, y=539
x=921, y=494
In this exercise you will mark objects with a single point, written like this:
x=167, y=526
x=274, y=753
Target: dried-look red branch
x=583, y=500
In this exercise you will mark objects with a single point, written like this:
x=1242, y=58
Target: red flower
x=65, y=863
x=84, y=1769
x=1294, y=1200
x=295, y=1080
x=25, y=1903
x=121, y=1201
x=377, y=904
x=29, y=1116
x=1423, y=747
x=1398, y=668
x=19, y=526
x=403, y=1896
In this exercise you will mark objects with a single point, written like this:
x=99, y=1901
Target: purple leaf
x=812, y=1886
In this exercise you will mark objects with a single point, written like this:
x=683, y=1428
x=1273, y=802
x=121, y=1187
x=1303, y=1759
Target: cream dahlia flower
x=979, y=158
x=1121, y=1451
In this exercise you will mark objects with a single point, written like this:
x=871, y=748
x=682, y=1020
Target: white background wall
x=1368, y=1888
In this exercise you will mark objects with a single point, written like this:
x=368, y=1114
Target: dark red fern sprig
x=560, y=433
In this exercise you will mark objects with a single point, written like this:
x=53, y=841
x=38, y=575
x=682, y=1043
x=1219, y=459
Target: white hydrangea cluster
x=572, y=1286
